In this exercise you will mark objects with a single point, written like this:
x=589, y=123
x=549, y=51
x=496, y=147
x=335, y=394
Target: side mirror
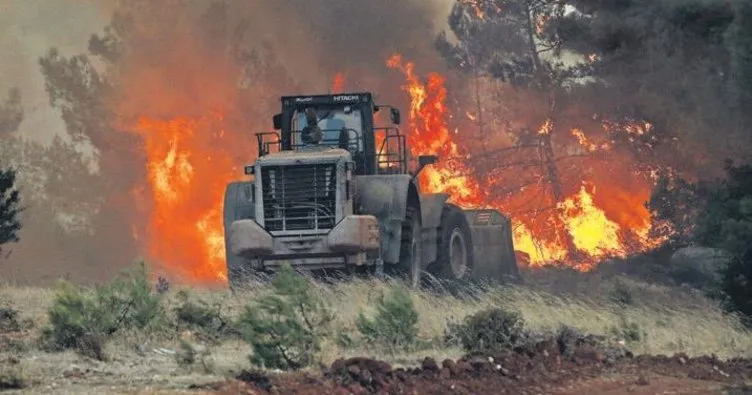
x=396, y=118
x=277, y=121
x=425, y=160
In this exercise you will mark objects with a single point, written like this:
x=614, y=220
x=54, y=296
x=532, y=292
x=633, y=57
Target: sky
x=29, y=28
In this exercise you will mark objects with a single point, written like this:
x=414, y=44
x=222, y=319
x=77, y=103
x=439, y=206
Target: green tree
x=681, y=64
x=719, y=215
x=10, y=224
x=726, y=223
x=395, y=324
x=11, y=115
x=286, y=326
x=515, y=45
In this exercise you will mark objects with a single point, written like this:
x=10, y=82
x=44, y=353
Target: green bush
x=202, y=317
x=286, y=326
x=621, y=294
x=188, y=355
x=395, y=324
x=629, y=331
x=11, y=377
x=490, y=330
x=9, y=320
x=718, y=215
x=84, y=319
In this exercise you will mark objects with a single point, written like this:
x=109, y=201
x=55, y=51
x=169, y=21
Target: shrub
x=717, y=215
x=490, y=330
x=629, y=331
x=621, y=294
x=726, y=223
x=188, y=355
x=11, y=375
x=9, y=320
x=84, y=319
x=286, y=326
x=395, y=324
x=202, y=317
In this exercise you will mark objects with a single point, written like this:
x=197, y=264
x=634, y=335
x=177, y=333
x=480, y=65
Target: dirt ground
x=145, y=363
x=544, y=367
x=544, y=371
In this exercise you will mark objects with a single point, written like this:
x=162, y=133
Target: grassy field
x=648, y=319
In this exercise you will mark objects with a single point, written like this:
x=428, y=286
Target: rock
x=257, y=378
x=337, y=367
x=365, y=378
x=462, y=367
x=478, y=363
x=74, y=373
x=588, y=354
x=354, y=370
x=430, y=364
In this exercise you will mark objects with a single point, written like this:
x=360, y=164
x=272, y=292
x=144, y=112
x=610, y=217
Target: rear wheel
x=455, y=254
x=409, y=267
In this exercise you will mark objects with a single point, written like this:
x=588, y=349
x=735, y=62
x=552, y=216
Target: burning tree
x=683, y=65
x=169, y=127
x=544, y=170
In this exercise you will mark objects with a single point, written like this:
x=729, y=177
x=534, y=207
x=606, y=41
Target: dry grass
x=671, y=321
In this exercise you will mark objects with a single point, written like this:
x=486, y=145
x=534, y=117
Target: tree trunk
x=548, y=163
x=481, y=122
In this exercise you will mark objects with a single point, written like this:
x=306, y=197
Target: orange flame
x=190, y=163
x=187, y=185
x=429, y=134
x=608, y=223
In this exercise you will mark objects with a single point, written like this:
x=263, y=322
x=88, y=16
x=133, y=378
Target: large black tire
x=454, y=260
x=409, y=266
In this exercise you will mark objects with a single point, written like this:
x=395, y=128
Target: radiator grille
x=299, y=197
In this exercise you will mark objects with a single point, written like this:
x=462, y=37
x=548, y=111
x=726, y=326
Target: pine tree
x=10, y=209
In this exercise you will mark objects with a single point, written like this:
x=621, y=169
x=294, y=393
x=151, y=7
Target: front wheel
x=409, y=267
x=455, y=252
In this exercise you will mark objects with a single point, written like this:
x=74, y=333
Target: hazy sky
x=28, y=28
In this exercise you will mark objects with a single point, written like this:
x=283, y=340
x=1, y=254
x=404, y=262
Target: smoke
x=28, y=28
x=305, y=42
x=216, y=70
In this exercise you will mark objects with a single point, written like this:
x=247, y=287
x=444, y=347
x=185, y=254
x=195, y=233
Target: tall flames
x=188, y=168
x=187, y=180
x=589, y=224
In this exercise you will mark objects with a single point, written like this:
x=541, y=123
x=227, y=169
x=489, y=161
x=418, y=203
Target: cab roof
x=339, y=98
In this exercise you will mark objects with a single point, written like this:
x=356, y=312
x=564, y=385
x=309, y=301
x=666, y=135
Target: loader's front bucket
x=493, y=245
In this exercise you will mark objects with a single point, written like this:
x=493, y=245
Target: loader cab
x=346, y=121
